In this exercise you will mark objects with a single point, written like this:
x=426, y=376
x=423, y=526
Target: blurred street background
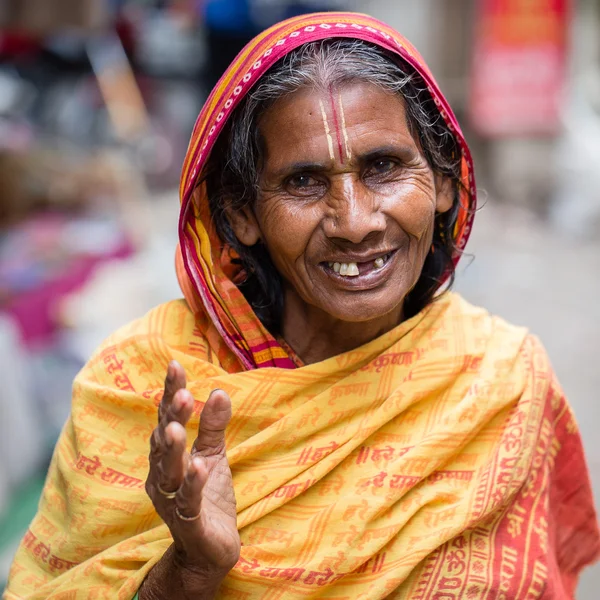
x=97, y=102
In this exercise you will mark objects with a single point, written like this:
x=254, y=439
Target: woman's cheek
x=416, y=217
x=285, y=230
x=279, y=208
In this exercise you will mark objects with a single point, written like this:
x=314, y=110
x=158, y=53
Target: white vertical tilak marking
x=346, y=141
x=327, y=132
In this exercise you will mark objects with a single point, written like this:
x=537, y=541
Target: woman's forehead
x=333, y=124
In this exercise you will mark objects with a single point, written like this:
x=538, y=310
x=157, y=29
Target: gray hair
x=233, y=170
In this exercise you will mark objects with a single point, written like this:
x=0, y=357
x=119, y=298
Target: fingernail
x=170, y=370
x=196, y=463
x=182, y=399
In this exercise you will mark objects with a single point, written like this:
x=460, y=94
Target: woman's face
x=347, y=201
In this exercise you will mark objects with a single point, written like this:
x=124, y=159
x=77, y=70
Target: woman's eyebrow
x=399, y=150
x=300, y=167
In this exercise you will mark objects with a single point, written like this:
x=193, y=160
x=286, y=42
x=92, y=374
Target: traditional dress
x=438, y=461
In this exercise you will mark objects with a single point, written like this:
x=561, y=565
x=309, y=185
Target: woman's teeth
x=351, y=269
x=347, y=269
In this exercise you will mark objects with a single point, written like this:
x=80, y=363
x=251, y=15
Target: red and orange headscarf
x=201, y=268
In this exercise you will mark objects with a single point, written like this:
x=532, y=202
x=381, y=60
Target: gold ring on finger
x=167, y=495
x=184, y=518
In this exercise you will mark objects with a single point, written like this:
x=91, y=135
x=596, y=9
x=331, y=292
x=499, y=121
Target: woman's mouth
x=358, y=270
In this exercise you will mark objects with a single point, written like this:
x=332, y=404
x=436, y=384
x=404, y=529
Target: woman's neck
x=315, y=335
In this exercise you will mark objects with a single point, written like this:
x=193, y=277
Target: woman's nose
x=353, y=212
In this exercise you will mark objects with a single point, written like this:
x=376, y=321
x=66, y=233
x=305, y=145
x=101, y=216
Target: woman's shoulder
x=478, y=321
x=492, y=347
x=483, y=333
x=168, y=331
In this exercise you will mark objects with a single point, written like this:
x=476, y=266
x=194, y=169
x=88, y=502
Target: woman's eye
x=302, y=181
x=303, y=184
x=382, y=166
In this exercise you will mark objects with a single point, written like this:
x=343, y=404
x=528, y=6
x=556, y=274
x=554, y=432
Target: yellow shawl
x=438, y=461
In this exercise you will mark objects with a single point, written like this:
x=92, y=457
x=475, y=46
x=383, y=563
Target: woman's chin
x=364, y=309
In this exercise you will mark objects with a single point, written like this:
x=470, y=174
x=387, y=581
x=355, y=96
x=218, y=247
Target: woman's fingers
x=179, y=410
x=189, y=496
x=171, y=466
x=168, y=441
x=174, y=381
x=172, y=441
x=172, y=470
x=214, y=418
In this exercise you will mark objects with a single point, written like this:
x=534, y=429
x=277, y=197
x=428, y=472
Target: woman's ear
x=244, y=225
x=444, y=193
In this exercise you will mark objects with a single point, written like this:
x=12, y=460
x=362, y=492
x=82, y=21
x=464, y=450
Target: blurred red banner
x=519, y=66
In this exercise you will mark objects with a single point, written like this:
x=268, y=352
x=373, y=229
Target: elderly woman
x=334, y=422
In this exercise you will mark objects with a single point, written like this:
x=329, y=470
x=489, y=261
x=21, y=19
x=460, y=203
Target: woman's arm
x=575, y=543
x=169, y=579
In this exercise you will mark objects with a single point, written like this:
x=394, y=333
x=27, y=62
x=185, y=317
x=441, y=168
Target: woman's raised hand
x=193, y=491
